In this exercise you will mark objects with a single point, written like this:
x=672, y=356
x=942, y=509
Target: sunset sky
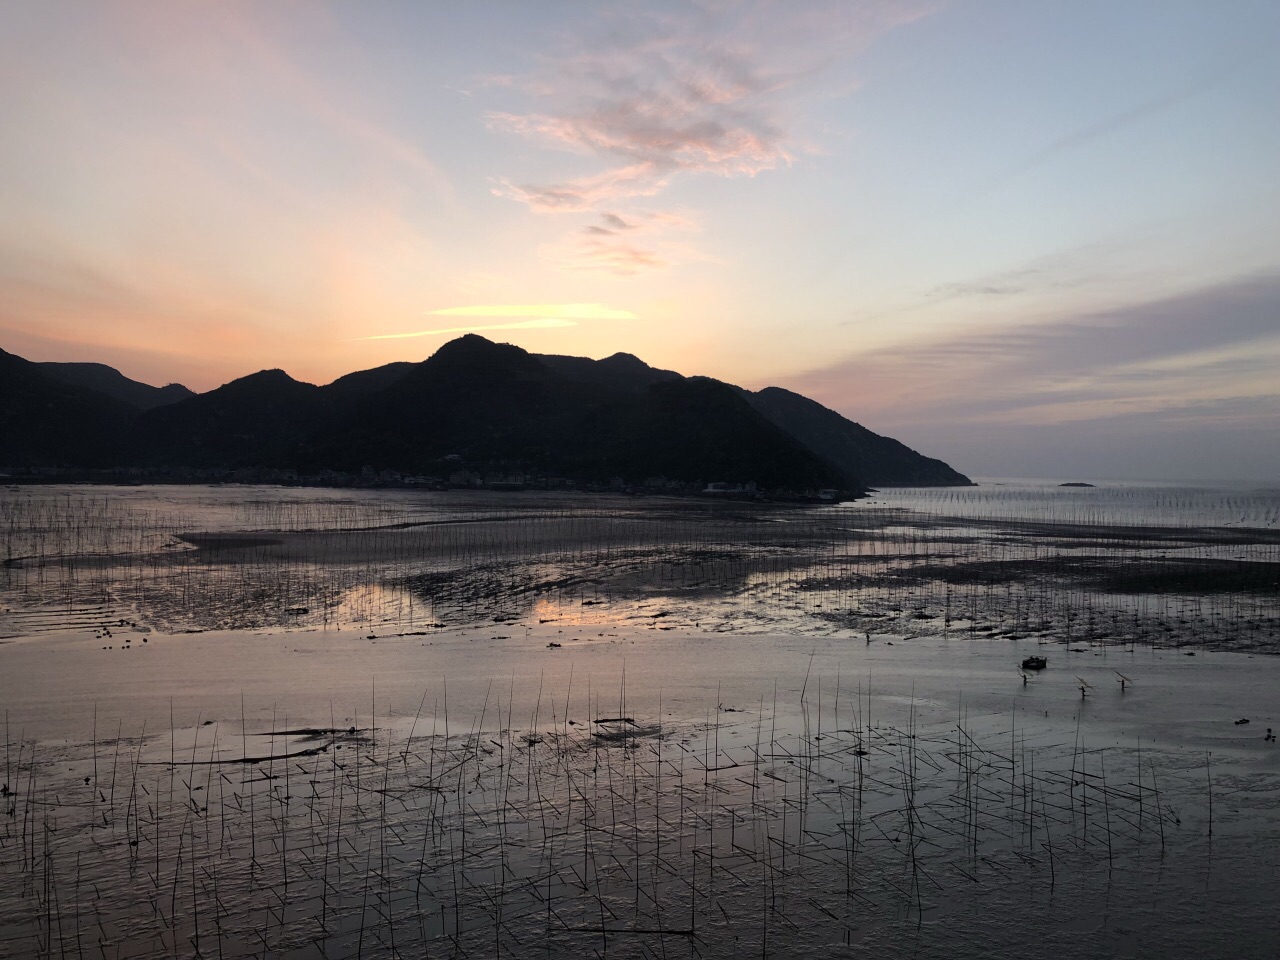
x=1030, y=238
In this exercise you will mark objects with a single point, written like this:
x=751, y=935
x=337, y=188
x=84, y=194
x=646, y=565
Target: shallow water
x=1108, y=503
x=821, y=794
x=829, y=747
x=906, y=562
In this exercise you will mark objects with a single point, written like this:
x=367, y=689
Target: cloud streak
x=1187, y=357
x=524, y=316
x=624, y=247
x=541, y=323
x=1116, y=122
x=574, y=311
x=1180, y=387
x=584, y=194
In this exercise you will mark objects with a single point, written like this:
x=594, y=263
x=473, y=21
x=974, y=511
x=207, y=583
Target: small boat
x=1035, y=663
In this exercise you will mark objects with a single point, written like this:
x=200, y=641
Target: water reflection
x=322, y=559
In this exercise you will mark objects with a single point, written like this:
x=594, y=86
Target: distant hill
x=474, y=401
x=621, y=371
x=488, y=402
x=879, y=461
x=47, y=422
x=109, y=380
x=371, y=381
x=266, y=419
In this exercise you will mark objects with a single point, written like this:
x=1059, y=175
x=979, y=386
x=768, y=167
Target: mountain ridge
x=878, y=460
x=109, y=380
x=473, y=400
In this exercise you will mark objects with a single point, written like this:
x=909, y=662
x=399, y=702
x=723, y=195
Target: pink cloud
x=621, y=258
x=586, y=193
x=624, y=246
x=667, y=132
x=659, y=116
x=716, y=90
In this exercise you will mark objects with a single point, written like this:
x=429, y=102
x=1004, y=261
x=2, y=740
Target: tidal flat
x=255, y=721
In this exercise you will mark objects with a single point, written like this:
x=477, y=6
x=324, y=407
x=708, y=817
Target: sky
x=1030, y=239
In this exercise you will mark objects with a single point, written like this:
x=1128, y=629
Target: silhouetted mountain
x=488, y=402
x=879, y=461
x=490, y=405
x=370, y=381
x=263, y=420
x=480, y=400
x=109, y=380
x=620, y=371
x=705, y=424
x=46, y=422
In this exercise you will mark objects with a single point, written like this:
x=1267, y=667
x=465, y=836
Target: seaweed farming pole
x=253, y=832
x=95, y=751
x=8, y=767
x=1106, y=807
x=115, y=760
x=1209, y=782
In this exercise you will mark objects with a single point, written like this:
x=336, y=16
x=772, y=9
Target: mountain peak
x=472, y=351
x=271, y=384
x=468, y=343
x=274, y=376
x=630, y=359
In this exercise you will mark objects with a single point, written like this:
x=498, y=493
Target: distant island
x=474, y=414
x=1076, y=483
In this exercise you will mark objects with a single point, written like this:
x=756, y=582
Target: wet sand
x=356, y=730
x=932, y=745
x=50, y=684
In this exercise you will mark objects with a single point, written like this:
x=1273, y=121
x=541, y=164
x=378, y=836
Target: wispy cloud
x=605, y=253
x=586, y=193
x=624, y=246
x=541, y=323
x=663, y=132
x=655, y=97
x=1188, y=357
x=1120, y=120
x=573, y=311
x=524, y=316
x=1087, y=266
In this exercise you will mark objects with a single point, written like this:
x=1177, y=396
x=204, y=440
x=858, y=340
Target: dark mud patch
x=1114, y=575
x=1119, y=534
x=624, y=730
x=228, y=543
x=311, y=734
